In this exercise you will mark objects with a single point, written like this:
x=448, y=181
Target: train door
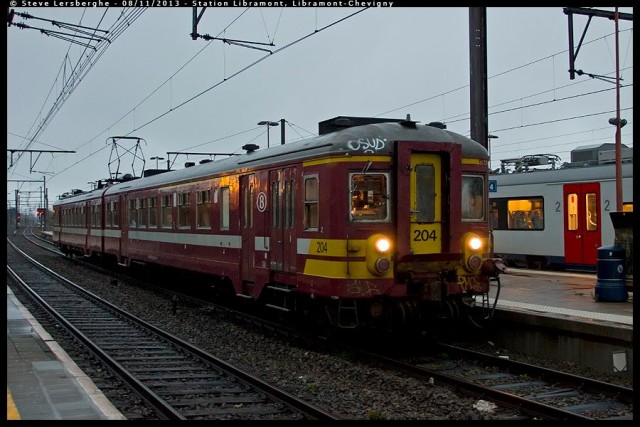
x=582, y=227
x=282, y=238
x=247, y=252
x=421, y=199
x=425, y=199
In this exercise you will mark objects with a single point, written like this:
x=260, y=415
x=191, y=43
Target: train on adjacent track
x=373, y=223
x=551, y=216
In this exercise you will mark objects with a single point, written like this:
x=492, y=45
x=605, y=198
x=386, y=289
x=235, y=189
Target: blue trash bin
x=610, y=285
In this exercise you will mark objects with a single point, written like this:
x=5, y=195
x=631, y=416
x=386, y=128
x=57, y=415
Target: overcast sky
x=152, y=81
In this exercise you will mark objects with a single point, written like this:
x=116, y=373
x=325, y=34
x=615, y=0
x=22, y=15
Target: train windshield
x=472, y=198
x=369, y=196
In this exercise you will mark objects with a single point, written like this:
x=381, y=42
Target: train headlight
x=382, y=244
x=378, y=258
x=474, y=243
x=473, y=246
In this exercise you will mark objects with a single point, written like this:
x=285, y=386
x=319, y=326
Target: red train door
x=247, y=204
x=582, y=226
x=282, y=240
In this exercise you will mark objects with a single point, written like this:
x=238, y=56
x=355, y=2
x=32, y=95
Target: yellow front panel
x=338, y=269
x=426, y=238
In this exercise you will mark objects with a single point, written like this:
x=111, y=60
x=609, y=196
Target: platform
x=43, y=383
x=559, y=293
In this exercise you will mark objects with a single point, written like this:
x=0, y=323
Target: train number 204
x=424, y=235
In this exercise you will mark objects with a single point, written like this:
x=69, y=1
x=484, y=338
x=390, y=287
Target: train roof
x=563, y=175
x=373, y=138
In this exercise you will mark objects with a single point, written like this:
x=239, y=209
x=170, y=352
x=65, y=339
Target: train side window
x=289, y=206
x=592, y=211
x=472, y=198
x=224, y=208
x=116, y=214
x=251, y=199
x=311, y=220
x=166, y=211
x=275, y=204
x=203, y=209
x=112, y=214
x=525, y=214
x=184, y=213
x=247, y=203
x=143, y=216
x=369, y=195
x=572, y=211
x=152, y=212
x=133, y=213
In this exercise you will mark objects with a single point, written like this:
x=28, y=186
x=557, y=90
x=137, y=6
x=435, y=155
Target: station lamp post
x=268, y=124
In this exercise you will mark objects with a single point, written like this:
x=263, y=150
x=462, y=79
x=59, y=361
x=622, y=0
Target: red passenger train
x=373, y=222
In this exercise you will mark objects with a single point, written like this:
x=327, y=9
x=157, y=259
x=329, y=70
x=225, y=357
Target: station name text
x=200, y=3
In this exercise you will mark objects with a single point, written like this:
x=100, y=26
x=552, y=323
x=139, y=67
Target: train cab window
x=133, y=213
x=184, y=214
x=472, y=198
x=311, y=220
x=167, y=206
x=369, y=196
x=152, y=212
x=224, y=208
x=203, y=209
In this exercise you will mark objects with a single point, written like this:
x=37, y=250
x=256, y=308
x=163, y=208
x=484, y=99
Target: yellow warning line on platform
x=12, y=411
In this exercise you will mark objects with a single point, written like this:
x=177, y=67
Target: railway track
x=533, y=392
x=176, y=379
x=537, y=392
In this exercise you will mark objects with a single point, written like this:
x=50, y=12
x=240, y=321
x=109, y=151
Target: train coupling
x=493, y=267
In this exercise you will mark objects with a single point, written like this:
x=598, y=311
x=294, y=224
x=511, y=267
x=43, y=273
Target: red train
x=373, y=222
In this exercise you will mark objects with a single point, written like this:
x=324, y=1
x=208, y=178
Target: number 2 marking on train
x=424, y=235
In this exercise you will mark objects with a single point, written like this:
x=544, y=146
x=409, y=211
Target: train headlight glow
x=382, y=245
x=378, y=258
x=475, y=243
